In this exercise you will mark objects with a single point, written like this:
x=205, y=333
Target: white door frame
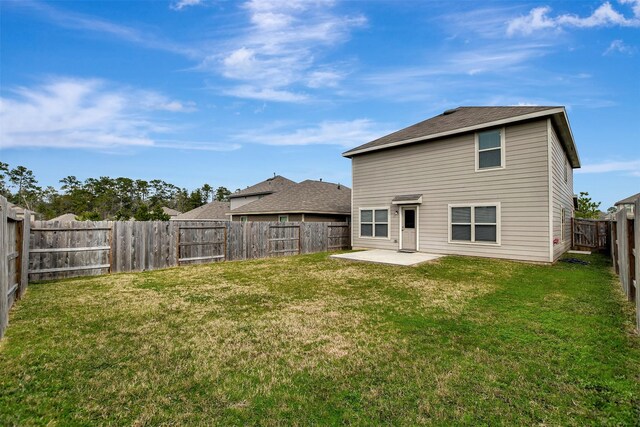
x=401, y=220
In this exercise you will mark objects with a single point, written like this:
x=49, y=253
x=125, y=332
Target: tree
x=612, y=210
x=4, y=172
x=222, y=193
x=206, y=192
x=586, y=207
x=70, y=183
x=27, y=190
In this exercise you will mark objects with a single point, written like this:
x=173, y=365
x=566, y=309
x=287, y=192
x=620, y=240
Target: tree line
x=104, y=197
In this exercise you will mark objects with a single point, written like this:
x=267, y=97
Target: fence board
x=637, y=257
x=4, y=271
x=24, y=254
x=625, y=254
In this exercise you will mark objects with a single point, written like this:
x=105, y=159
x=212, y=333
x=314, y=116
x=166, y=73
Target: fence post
x=24, y=254
x=637, y=266
x=630, y=271
x=4, y=271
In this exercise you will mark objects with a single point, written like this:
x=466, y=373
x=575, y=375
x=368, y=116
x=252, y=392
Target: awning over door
x=407, y=199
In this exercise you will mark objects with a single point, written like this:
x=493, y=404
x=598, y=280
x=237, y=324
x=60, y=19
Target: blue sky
x=230, y=92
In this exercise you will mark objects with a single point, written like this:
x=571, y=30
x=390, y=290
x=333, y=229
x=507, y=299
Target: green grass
x=308, y=340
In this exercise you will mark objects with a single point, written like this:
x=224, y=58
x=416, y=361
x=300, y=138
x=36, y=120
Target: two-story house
x=480, y=181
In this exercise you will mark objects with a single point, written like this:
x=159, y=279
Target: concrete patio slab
x=381, y=256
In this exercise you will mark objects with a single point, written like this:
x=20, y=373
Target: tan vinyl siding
x=267, y=217
x=294, y=217
x=443, y=171
x=236, y=202
x=562, y=195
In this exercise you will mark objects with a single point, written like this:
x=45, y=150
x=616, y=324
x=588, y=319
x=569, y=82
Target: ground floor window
x=474, y=223
x=244, y=218
x=283, y=218
x=563, y=224
x=374, y=223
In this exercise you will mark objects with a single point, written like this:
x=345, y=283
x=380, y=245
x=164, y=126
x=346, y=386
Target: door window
x=410, y=218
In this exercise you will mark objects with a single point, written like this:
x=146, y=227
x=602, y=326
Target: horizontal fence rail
x=83, y=248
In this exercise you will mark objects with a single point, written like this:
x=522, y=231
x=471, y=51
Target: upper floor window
x=244, y=218
x=566, y=171
x=283, y=218
x=490, y=149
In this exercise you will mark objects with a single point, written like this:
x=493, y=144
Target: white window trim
x=374, y=223
x=503, y=163
x=401, y=215
x=473, y=206
x=286, y=218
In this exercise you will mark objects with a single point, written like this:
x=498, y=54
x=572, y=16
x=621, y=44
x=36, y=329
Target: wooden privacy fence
x=590, y=235
x=82, y=248
x=14, y=239
x=625, y=238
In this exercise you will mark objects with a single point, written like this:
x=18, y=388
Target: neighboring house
x=68, y=217
x=310, y=201
x=478, y=181
x=211, y=211
x=19, y=210
x=259, y=190
x=171, y=212
x=628, y=204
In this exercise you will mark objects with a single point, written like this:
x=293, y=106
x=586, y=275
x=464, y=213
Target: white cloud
x=632, y=166
x=320, y=79
x=84, y=113
x=281, y=47
x=620, y=47
x=265, y=94
x=605, y=15
x=181, y=4
x=342, y=133
x=79, y=21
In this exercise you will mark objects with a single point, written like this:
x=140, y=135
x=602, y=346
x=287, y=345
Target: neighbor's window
x=374, y=223
x=244, y=218
x=474, y=224
x=489, y=146
x=283, y=218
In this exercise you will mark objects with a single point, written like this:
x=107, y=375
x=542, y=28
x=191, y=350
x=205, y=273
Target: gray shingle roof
x=213, y=210
x=268, y=186
x=450, y=121
x=170, y=212
x=306, y=197
x=629, y=200
x=68, y=217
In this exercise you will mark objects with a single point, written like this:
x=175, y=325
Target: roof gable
x=468, y=119
x=268, y=186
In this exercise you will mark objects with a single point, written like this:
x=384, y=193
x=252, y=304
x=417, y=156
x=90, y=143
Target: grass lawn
x=308, y=340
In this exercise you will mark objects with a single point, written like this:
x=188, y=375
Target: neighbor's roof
x=467, y=119
x=268, y=186
x=213, y=210
x=306, y=197
x=628, y=201
x=170, y=212
x=68, y=217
